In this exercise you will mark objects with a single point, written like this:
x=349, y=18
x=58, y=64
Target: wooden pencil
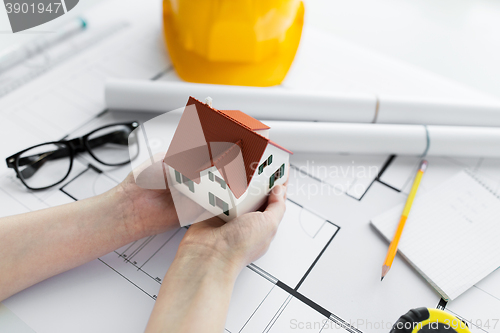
x=393, y=247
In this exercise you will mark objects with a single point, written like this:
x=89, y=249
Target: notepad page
x=452, y=235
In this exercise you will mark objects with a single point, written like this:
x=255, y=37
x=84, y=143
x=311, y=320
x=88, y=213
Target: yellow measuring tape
x=425, y=320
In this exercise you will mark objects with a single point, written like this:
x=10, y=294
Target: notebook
x=452, y=235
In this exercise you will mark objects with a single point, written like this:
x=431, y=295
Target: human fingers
x=149, y=173
x=276, y=205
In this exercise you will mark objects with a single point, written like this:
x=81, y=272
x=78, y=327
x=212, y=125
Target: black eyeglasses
x=48, y=164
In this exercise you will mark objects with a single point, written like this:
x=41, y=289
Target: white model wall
x=201, y=190
x=251, y=200
x=259, y=186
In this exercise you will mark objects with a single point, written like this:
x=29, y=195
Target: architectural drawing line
x=142, y=247
x=479, y=163
x=175, y=233
x=262, y=273
x=305, y=231
x=89, y=166
x=319, y=308
x=385, y=166
x=278, y=313
x=466, y=321
x=128, y=247
x=387, y=163
x=127, y=279
x=342, y=323
x=295, y=202
x=307, y=174
x=389, y=186
x=316, y=260
x=484, y=291
x=69, y=195
x=143, y=271
x=22, y=204
x=163, y=72
x=136, y=251
x=249, y=318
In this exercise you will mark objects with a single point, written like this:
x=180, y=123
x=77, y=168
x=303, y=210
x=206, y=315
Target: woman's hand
x=240, y=241
x=195, y=293
x=149, y=201
x=41, y=244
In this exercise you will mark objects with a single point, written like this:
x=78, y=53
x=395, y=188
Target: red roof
x=245, y=119
x=280, y=147
x=207, y=137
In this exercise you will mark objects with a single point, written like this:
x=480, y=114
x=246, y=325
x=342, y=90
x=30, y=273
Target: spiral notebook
x=452, y=235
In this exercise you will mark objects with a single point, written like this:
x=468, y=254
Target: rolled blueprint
x=395, y=110
x=281, y=104
x=386, y=139
x=274, y=102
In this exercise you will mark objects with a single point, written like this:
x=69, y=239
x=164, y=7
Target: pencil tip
x=385, y=269
x=382, y=278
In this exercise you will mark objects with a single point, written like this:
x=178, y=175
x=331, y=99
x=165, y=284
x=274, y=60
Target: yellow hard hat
x=237, y=42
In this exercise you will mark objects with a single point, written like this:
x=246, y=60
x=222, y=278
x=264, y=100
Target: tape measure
x=424, y=320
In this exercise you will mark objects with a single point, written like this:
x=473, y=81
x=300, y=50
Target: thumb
x=276, y=204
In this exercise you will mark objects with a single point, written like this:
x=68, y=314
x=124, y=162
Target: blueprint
x=322, y=270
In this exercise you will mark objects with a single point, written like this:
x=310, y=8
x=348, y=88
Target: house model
x=223, y=160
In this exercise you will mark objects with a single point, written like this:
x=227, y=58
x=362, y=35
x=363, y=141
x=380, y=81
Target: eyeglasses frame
x=76, y=145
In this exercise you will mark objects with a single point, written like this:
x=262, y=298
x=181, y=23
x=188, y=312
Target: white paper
x=140, y=267
x=345, y=280
x=464, y=141
x=397, y=110
x=460, y=217
x=50, y=105
x=326, y=137
x=349, y=78
x=348, y=138
x=274, y=103
x=283, y=104
x=297, y=316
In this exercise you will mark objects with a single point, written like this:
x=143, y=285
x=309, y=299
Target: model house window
x=265, y=163
x=181, y=179
x=217, y=179
x=221, y=182
x=222, y=205
x=216, y=201
x=277, y=175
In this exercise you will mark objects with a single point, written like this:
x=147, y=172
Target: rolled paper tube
x=386, y=139
x=268, y=103
x=278, y=103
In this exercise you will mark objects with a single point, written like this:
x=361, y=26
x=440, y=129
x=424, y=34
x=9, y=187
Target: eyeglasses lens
x=110, y=145
x=44, y=165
